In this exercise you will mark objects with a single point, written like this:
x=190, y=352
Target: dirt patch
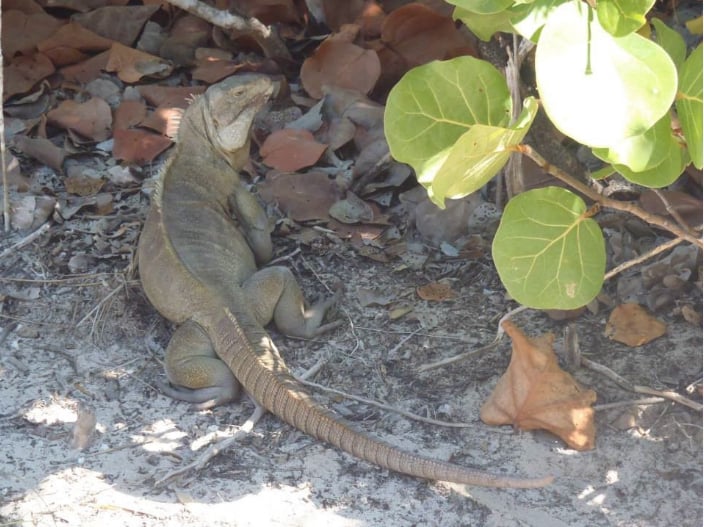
x=94, y=340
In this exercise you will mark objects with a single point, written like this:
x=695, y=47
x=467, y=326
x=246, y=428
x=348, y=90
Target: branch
x=267, y=38
x=624, y=206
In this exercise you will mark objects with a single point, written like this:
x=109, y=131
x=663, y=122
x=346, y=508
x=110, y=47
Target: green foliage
x=621, y=17
x=689, y=104
x=600, y=82
x=600, y=94
x=549, y=255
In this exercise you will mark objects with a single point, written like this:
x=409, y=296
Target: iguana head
x=225, y=113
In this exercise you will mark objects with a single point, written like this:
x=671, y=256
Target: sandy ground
x=96, y=343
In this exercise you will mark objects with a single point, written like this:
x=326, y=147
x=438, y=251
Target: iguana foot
x=195, y=372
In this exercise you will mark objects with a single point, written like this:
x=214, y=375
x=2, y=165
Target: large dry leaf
x=687, y=206
x=131, y=64
x=177, y=97
x=289, y=150
x=138, y=147
x=91, y=119
x=24, y=72
x=86, y=71
x=72, y=43
x=128, y=115
x=630, y=324
x=420, y=35
x=122, y=24
x=340, y=63
x=302, y=197
x=21, y=32
x=42, y=150
x=534, y=393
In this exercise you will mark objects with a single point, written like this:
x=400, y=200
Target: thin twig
x=621, y=404
x=624, y=206
x=476, y=352
x=384, y=406
x=26, y=240
x=643, y=257
x=672, y=210
x=627, y=385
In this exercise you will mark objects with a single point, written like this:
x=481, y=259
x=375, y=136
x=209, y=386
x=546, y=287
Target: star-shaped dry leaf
x=534, y=393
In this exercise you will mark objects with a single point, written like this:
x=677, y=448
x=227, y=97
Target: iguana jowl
x=198, y=268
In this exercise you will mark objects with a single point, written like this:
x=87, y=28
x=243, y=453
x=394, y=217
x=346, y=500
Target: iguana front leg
x=252, y=222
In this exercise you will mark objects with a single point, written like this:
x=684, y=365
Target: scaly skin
x=198, y=268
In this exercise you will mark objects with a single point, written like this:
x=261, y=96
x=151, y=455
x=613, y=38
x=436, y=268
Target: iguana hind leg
x=274, y=294
x=194, y=370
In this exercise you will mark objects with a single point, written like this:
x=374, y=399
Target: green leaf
x=477, y=156
x=689, y=104
x=483, y=7
x=547, y=253
x=529, y=22
x=671, y=41
x=663, y=174
x=484, y=26
x=596, y=88
x=433, y=105
x=641, y=152
x=621, y=17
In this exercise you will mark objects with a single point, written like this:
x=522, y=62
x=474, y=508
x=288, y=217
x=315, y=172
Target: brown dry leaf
x=24, y=72
x=177, y=97
x=121, y=24
x=340, y=63
x=186, y=35
x=138, y=147
x=81, y=185
x=84, y=427
x=339, y=13
x=211, y=71
x=534, y=393
x=688, y=207
x=302, y=197
x=420, y=35
x=131, y=64
x=269, y=11
x=22, y=32
x=42, y=150
x=29, y=212
x=289, y=150
x=72, y=43
x=91, y=119
x=633, y=326
x=436, y=292
x=28, y=7
x=352, y=209
x=128, y=115
x=15, y=178
x=86, y=71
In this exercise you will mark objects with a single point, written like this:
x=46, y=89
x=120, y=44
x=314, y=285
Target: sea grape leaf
x=596, y=88
x=548, y=252
x=689, y=104
x=670, y=40
x=433, y=105
x=476, y=157
x=621, y=17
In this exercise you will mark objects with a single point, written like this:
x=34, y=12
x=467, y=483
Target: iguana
x=198, y=268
